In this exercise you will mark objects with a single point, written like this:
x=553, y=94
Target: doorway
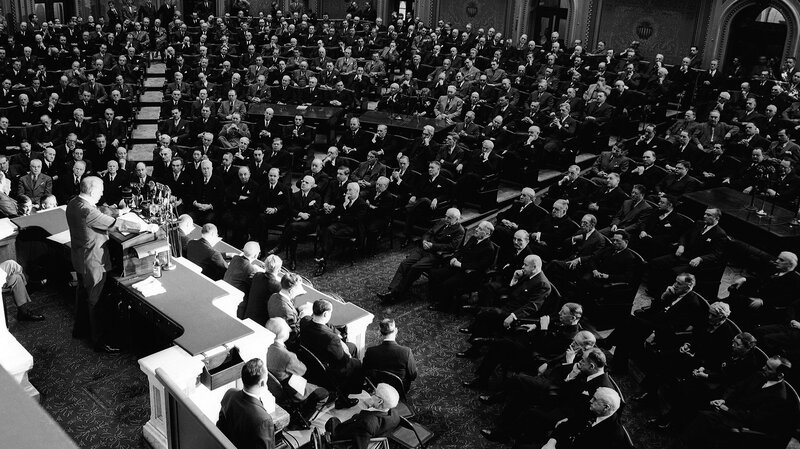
x=548, y=16
x=49, y=10
x=757, y=31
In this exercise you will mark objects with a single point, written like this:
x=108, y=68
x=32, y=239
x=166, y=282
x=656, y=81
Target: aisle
x=144, y=133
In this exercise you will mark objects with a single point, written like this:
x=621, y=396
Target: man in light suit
x=243, y=418
x=35, y=185
x=88, y=228
x=227, y=108
x=202, y=253
x=449, y=106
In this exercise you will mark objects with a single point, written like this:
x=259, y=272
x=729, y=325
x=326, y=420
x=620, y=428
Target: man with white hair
x=208, y=193
x=393, y=102
x=243, y=267
x=524, y=214
x=304, y=207
x=464, y=270
x=346, y=224
x=763, y=298
x=604, y=427
x=88, y=227
x=378, y=419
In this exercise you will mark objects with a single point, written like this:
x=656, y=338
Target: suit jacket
x=671, y=185
x=427, y=188
x=245, y=421
x=36, y=191
x=528, y=296
x=524, y=218
x=116, y=131
x=324, y=343
x=630, y=217
x=365, y=425
x=444, y=239
x=585, y=248
x=181, y=130
x=450, y=108
x=283, y=363
x=206, y=257
x=226, y=108
x=278, y=197
x=649, y=178
x=112, y=190
x=88, y=228
x=393, y=357
x=576, y=434
x=576, y=191
x=262, y=286
x=369, y=174
x=618, y=265
x=240, y=274
x=709, y=246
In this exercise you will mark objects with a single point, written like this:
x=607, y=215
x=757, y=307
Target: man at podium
x=88, y=228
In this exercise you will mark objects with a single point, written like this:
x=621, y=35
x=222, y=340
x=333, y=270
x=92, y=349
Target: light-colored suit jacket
x=225, y=109
x=88, y=228
x=42, y=187
x=450, y=108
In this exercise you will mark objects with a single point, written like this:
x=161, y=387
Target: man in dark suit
x=207, y=196
x=571, y=187
x=578, y=249
x=304, y=209
x=391, y=356
x=114, y=180
x=378, y=420
x=677, y=182
x=482, y=165
x=274, y=199
x=426, y=195
x=176, y=128
x=344, y=367
x=242, y=417
x=464, y=270
x=243, y=268
x=202, y=253
x=765, y=297
x=604, y=201
x=660, y=231
x=632, y=214
x=346, y=223
x=602, y=425
x=381, y=205
x=700, y=251
x=647, y=174
x=548, y=235
x=761, y=403
x=674, y=311
x=88, y=227
x=113, y=129
x=439, y=243
x=611, y=265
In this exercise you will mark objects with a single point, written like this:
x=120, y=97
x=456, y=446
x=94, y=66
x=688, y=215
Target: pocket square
x=708, y=240
x=280, y=193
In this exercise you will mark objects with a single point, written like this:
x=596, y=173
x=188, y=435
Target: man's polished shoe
x=386, y=296
x=490, y=398
x=27, y=315
x=465, y=330
x=344, y=402
x=320, y=269
x=475, y=384
x=108, y=349
x=495, y=436
x=470, y=353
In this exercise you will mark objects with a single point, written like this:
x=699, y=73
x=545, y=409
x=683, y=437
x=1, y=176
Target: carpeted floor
x=101, y=400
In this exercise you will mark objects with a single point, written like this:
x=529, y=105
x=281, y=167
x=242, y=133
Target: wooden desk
x=772, y=233
x=325, y=117
x=186, y=311
x=410, y=125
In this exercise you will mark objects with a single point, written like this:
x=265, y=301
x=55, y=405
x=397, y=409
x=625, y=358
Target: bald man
x=243, y=267
x=764, y=298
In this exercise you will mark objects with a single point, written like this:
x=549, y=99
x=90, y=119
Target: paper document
x=7, y=228
x=130, y=222
x=298, y=383
x=149, y=287
x=61, y=238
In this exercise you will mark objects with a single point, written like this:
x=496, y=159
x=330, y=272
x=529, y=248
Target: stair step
x=141, y=152
x=154, y=82
x=151, y=98
x=156, y=68
x=145, y=132
x=148, y=115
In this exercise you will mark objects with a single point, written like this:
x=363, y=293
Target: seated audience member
x=528, y=416
x=473, y=171
x=381, y=205
x=263, y=285
x=440, y=242
x=391, y=356
x=784, y=187
x=202, y=253
x=208, y=193
x=346, y=223
x=766, y=296
x=344, y=367
x=463, y=271
x=12, y=277
x=613, y=161
x=378, y=419
x=605, y=426
x=576, y=252
x=243, y=267
x=571, y=187
x=715, y=169
x=700, y=251
x=274, y=198
x=761, y=403
x=35, y=185
x=242, y=417
x=523, y=348
x=304, y=210
x=632, y=214
x=675, y=310
x=368, y=172
x=604, y=201
x=284, y=364
x=425, y=196
x=549, y=235
x=647, y=174
x=677, y=182
x=509, y=259
x=521, y=216
x=240, y=218
x=614, y=264
x=281, y=305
